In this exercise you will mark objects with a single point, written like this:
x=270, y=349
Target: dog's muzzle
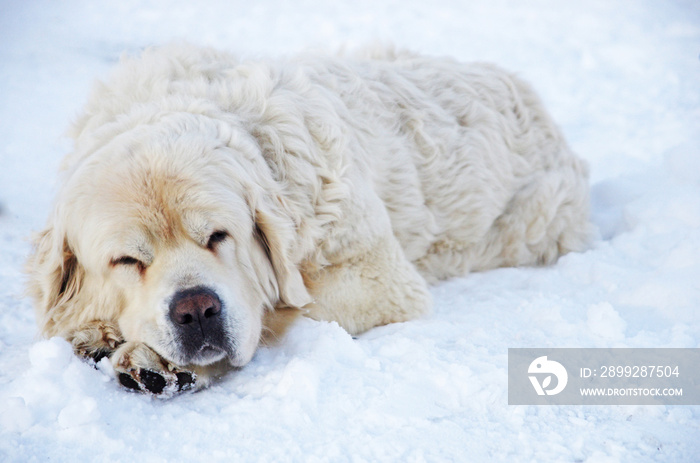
x=197, y=317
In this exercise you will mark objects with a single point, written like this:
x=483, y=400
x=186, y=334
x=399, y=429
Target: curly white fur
x=344, y=183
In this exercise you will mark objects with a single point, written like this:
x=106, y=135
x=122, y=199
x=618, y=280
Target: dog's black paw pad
x=128, y=382
x=152, y=381
x=184, y=381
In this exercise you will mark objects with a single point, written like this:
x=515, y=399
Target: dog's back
x=334, y=184
x=472, y=170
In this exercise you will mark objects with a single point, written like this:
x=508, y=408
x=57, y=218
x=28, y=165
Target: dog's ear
x=276, y=234
x=55, y=278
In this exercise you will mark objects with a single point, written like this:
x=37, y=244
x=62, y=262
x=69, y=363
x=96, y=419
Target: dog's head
x=177, y=231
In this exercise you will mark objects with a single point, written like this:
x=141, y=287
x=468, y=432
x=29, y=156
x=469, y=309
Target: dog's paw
x=96, y=339
x=140, y=369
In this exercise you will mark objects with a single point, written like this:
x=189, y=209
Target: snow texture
x=621, y=78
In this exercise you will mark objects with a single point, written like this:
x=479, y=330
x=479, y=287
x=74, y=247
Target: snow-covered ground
x=623, y=80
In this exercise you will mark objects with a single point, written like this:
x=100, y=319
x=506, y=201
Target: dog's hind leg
x=545, y=219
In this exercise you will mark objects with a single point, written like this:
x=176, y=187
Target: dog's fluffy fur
x=338, y=185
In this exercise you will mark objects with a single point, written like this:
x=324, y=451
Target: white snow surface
x=622, y=79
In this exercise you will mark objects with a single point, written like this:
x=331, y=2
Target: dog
x=208, y=201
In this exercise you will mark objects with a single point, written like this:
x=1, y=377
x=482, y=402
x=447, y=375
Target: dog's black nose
x=198, y=318
x=199, y=307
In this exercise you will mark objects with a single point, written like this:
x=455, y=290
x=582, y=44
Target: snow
x=622, y=79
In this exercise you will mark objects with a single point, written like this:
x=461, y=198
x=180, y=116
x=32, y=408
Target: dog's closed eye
x=129, y=261
x=216, y=238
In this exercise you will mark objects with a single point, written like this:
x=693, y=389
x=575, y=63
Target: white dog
x=206, y=197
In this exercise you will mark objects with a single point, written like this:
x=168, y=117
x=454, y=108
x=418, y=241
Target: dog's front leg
x=137, y=366
x=375, y=287
x=141, y=369
x=95, y=340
